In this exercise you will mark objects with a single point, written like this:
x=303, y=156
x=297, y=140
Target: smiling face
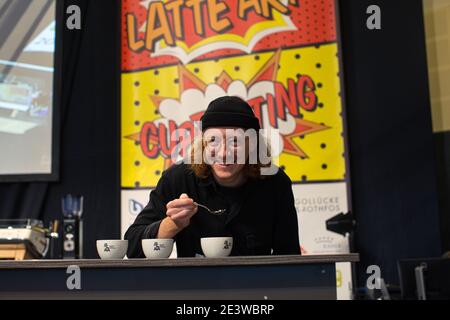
x=226, y=152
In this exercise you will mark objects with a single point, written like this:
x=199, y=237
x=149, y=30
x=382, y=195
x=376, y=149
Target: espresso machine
x=23, y=239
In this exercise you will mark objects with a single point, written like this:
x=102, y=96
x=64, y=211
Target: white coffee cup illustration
x=157, y=248
x=215, y=247
x=112, y=249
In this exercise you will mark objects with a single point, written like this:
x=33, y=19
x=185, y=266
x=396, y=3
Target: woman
x=260, y=213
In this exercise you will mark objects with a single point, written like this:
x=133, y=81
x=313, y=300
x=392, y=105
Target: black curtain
x=89, y=144
x=442, y=147
x=392, y=162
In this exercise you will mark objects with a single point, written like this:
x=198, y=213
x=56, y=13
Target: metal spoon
x=216, y=212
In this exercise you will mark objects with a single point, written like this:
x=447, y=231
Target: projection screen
x=28, y=128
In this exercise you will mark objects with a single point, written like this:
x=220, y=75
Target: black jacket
x=262, y=221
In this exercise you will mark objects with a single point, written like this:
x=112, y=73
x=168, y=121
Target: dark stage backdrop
x=89, y=130
x=442, y=147
x=392, y=160
x=391, y=147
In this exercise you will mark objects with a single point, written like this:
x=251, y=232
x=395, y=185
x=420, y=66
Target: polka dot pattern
x=322, y=158
x=309, y=52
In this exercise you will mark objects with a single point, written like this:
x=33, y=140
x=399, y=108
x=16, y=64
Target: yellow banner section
x=296, y=91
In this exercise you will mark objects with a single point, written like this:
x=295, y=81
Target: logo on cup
x=108, y=248
x=226, y=245
x=157, y=246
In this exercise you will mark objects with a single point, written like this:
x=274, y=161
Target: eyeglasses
x=215, y=142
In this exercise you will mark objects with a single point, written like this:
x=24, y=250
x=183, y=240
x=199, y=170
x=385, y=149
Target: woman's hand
x=181, y=210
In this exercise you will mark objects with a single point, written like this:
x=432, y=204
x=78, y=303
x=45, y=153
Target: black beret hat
x=229, y=112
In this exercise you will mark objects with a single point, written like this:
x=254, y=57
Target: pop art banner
x=281, y=56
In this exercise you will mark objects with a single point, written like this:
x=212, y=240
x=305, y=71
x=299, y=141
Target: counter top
x=181, y=262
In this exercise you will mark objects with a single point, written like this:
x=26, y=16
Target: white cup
x=217, y=246
x=157, y=248
x=112, y=249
